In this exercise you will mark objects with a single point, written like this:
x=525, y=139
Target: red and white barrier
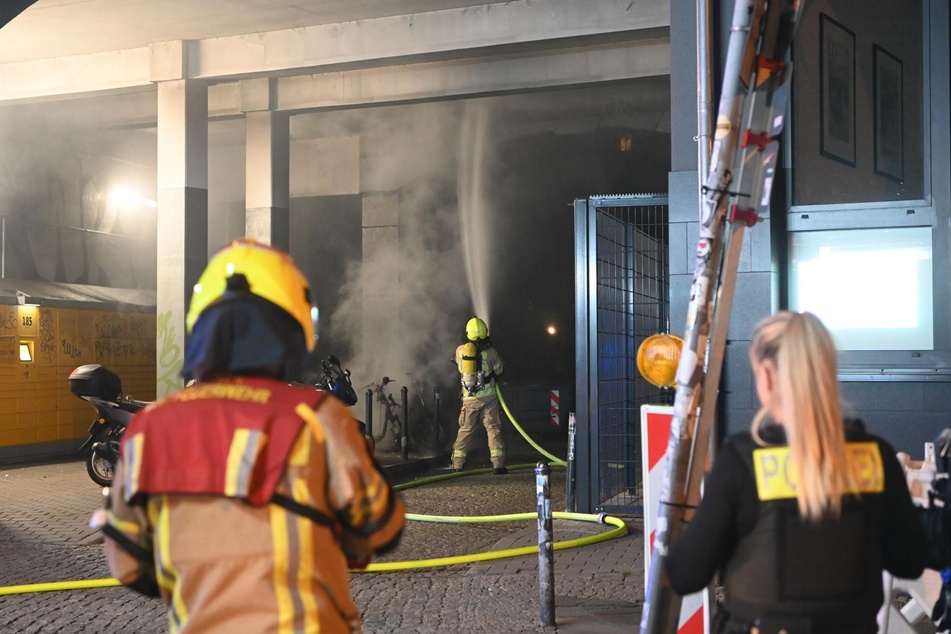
x=555, y=408
x=655, y=435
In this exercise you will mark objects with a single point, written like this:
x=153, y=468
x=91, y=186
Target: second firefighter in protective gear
x=479, y=364
x=242, y=501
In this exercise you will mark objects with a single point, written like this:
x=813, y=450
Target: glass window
x=871, y=287
x=858, y=103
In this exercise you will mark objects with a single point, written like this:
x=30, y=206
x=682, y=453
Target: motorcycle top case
x=95, y=381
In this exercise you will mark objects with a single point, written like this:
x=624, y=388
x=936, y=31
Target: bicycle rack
x=404, y=402
x=368, y=400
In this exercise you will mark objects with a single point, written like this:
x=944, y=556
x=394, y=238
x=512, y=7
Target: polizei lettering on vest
x=776, y=475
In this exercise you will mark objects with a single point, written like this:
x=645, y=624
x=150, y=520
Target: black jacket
x=772, y=561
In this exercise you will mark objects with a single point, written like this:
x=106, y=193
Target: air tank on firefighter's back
x=471, y=368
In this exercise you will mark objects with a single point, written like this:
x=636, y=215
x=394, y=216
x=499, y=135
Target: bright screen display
x=871, y=287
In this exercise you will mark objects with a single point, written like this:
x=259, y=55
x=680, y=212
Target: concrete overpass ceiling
x=641, y=104
x=610, y=97
x=59, y=28
x=124, y=124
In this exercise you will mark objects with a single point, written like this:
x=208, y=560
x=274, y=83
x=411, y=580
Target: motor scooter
x=336, y=380
x=103, y=388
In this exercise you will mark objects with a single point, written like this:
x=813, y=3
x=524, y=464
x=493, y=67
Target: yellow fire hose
x=554, y=460
x=60, y=585
x=619, y=530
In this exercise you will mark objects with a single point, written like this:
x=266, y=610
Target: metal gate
x=621, y=298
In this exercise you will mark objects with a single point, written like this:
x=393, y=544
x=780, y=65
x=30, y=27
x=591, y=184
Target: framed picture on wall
x=887, y=93
x=836, y=91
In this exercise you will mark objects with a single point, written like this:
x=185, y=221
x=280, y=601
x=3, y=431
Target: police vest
x=829, y=570
x=229, y=437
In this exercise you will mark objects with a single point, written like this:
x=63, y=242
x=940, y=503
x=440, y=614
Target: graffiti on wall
x=120, y=339
x=48, y=336
x=8, y=319
x=170, y=358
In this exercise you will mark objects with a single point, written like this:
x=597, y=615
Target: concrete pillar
x=182, y=176
x=381, y=275
x=267, y=201
x=683, y=180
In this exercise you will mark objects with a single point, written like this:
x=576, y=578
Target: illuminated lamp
x=657, y=359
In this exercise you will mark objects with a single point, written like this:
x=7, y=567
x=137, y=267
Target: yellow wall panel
x=36, y=404
x=68, y=432
x=44, y=372
x=47, y=433
x=8, y=421
x=28, y=403
x=68, y=417
x=8, y=349
x=67, y=401
x=27, y=420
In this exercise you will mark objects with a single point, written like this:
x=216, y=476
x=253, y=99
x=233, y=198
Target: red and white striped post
x=655, y=434
x=555, y=408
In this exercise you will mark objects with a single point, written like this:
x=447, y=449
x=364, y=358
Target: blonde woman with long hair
x=800, y=515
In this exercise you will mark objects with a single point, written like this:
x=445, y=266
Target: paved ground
x=598, y=588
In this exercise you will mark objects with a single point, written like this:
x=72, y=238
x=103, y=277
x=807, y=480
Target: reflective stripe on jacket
x=226, y=565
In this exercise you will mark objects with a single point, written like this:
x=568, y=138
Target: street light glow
x=126, y=198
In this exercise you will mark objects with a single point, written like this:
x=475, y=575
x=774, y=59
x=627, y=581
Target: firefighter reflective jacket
x=247, y=500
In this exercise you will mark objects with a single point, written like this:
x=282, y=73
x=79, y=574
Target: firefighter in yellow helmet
x=479, y=364
x=243, y=500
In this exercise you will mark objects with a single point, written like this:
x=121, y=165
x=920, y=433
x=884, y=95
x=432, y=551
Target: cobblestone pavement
x=44, y=538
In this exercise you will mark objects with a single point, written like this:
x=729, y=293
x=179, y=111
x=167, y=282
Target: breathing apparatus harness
x=474, y=378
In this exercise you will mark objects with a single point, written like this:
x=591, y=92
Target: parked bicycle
x=418, y=419
x=390, y=408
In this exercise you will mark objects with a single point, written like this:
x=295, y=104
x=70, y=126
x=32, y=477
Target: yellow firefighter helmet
x=270, y=273
x=476, y=329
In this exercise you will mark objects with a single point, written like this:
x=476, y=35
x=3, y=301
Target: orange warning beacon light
x=657, y=359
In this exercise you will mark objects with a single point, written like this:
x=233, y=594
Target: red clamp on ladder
x=773, y=65
x=751, y=138
x=749, y=216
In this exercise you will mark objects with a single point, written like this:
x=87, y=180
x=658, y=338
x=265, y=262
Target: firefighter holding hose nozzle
x=479, y=364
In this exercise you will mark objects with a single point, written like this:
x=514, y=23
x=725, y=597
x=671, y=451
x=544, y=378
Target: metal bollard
x=546, y=550
x=369, y=414
x=436, y=416
x=570, y=475
x=404, y=402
